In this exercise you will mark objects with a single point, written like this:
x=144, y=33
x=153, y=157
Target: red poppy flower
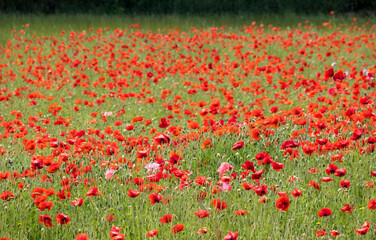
x=110, y=218
x=166, y=218
x=45, y=205
x=248, y=165
x=62, y=219
x=281, y=194
x=152, y=233
x=82, y=237
x=202, y=231
x=340, y=172
x=77, y=202
x=324, y=212
x=231, y=236
x=218, y=204
x=347, y=208
x=322, y=141
x=364, y=229
x=53, y=167
x=200, y=180
x=177, y=228
x=46, y=220
x=202, y=213
x=115, y=231
x=329, y=73
x=155, y=198
x=138, y=181
x=372, y=204
x=161, y=139
x=257, y=175
x=283, y=203
x=321, y=233
x=289, y=144
x=277, y=166
x=263, y=199
x=261, y=190
x=296, y=193
x=164, y=123
x=241, y=212
x=133, y=193
x=238, y=145
x=334, y=233
x=6, y=196
x=331, y=169
x=92, y=192
x=40, y=199
x=344, y=183
x=263, y=158
x=142, y=154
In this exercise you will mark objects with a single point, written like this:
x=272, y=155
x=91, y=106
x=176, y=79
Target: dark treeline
x=187, y=6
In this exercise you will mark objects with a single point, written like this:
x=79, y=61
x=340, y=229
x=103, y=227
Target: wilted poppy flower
x=231, y=236
x=283, y=203
x=202, y=213
x=324, y=212
x=46, y=220
x=152, y=233
x=202, y=231
x=62, y=219
x=177, y=228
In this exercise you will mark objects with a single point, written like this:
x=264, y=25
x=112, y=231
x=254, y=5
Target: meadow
x=187, y=127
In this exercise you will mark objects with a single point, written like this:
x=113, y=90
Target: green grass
x=136, y=216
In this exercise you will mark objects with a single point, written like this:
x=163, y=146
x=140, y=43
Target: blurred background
x=306, y=7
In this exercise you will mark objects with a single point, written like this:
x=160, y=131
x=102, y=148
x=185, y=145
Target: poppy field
x=249, y=132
